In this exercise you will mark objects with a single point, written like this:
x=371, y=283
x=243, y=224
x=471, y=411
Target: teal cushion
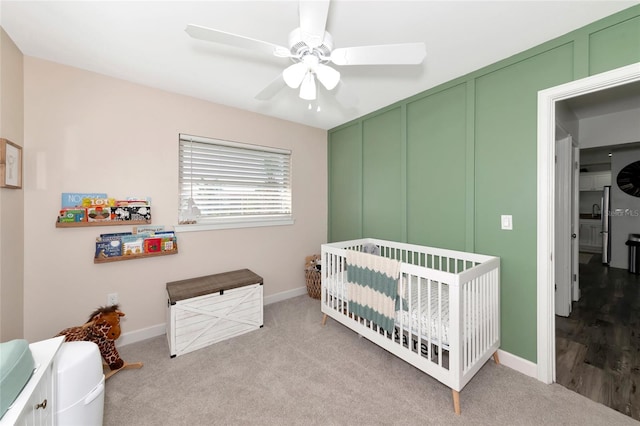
x=16, y=367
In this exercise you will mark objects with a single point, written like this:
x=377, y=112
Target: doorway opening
x=547, y=99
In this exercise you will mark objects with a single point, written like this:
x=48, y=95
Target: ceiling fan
x=311, y=50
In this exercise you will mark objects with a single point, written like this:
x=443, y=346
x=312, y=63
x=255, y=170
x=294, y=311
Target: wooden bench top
x=199, y=286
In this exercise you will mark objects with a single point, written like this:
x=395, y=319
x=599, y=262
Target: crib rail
x=448, y=321
x=480, y=311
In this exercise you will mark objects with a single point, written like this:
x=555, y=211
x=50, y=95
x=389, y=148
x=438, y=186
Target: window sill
x=210, y=226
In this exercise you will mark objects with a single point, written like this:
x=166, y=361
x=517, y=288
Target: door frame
x=546, y=357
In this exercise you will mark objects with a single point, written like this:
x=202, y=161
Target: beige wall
x=11, y=200
x=86, y=132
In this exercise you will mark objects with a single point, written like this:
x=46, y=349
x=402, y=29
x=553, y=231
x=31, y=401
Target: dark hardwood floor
x=598, y=345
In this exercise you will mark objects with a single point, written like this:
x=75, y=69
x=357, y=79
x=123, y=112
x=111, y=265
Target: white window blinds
x=223, y=182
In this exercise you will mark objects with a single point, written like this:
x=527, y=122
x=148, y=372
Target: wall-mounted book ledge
x=102, y=223
x=134, y=256
x=143, y=242
x=79, y=210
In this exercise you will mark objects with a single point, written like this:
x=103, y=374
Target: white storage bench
x=205, y=310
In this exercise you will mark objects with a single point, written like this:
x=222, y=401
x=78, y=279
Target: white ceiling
x=145, y=42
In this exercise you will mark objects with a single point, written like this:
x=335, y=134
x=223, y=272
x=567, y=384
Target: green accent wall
x=505, y=182
x=437, y=169
x=345, y=183
x=441, y=167
x=614, y=46
x=382, y=154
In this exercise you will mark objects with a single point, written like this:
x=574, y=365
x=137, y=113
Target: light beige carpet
x=296, y=372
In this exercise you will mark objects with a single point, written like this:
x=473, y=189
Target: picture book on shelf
x=148, y=228
x=74, y=199
x=111, y=248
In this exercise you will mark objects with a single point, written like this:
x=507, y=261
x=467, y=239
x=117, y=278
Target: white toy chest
x=205, y=310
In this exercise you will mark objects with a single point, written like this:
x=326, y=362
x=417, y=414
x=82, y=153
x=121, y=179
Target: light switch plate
x=506, y=222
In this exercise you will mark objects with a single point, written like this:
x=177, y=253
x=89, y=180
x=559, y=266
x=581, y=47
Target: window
x=228, y=184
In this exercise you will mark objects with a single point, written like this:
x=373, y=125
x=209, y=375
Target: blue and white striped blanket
x=373, y=287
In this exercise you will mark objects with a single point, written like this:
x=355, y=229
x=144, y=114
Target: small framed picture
x=10, y=164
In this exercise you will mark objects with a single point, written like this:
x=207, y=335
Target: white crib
x=449, y=324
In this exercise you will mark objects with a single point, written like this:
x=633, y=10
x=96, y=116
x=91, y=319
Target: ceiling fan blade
x=313, y=21
x=385, y=54
x=328, y=76
x=294, y=74
x=222, y=37
x=272, y=88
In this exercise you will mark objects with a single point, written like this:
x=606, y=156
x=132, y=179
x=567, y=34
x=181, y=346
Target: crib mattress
x=426, y=322
x=16, y=367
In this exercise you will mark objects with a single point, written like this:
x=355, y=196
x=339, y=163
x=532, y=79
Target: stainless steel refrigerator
x=605, y=211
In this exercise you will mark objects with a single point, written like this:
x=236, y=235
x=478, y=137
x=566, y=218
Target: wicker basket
x=312, y=275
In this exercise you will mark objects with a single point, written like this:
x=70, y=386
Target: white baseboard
x=284, y=295
x=519, y=364
x=142, y=334
x=160, y=329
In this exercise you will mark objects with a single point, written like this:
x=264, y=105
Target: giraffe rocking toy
x=103, y=328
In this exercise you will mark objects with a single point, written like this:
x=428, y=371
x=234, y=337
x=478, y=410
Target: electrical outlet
x=112, y=299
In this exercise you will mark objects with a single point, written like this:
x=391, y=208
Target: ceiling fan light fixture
x=308, y=87
x=294, y=74
x=328, y=76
